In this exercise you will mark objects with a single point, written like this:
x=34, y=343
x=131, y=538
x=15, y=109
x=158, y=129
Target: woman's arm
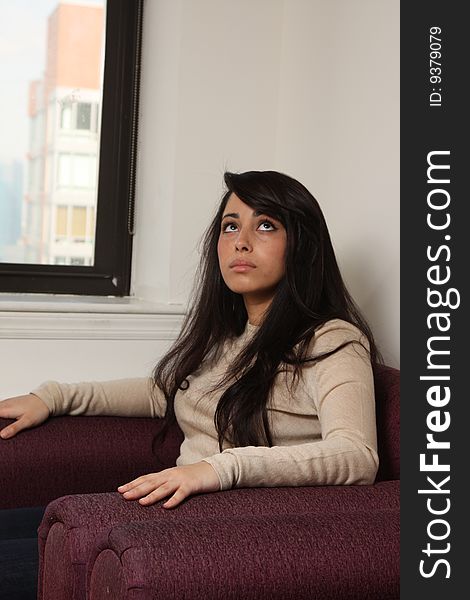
x=135, y=397
x=120, y=397
x=342, y=391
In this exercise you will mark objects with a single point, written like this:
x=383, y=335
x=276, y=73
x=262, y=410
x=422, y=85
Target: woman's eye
x=264, y=226
x=226, y=225
x=269, y=224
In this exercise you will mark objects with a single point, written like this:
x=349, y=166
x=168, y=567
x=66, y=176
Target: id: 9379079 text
x=435, y=66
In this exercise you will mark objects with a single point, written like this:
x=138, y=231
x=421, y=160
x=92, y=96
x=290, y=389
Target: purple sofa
x=330, y=542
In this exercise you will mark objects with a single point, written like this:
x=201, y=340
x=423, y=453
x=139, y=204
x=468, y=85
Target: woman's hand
x=28, y=411
x=179, y=481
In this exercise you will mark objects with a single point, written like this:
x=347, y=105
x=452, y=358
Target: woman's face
x=258, y=241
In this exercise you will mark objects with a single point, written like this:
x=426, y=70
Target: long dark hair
x=310, y=293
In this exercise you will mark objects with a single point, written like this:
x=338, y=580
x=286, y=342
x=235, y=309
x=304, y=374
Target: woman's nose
x=243, y=242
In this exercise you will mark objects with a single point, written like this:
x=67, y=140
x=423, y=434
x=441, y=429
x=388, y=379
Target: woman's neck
x=256, y=311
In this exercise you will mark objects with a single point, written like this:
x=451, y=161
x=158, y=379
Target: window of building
x=76, y=170
x=80, y=168
x=79, y=222
x=83, y=116
x=77, y=260
x=76, y=115
x=71, y=260
x=66, y=117
x=61, y=222
x=74, y=224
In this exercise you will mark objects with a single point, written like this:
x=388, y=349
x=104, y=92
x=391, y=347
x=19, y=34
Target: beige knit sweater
x=324, y=431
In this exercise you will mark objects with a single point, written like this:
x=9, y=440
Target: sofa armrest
x=324, y=555
x=73, y=455
x=69, y=529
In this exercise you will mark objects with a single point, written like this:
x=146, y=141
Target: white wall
x=209, y=103
x=307, y=87
x=338, y=132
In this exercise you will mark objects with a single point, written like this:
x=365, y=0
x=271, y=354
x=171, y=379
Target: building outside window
x=52, y=173
x=60, y=112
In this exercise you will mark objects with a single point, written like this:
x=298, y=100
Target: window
x=61, y=222
x=79, y=222
x=83, y=116
x=78, y=260
x=76, y=204
x=74, y=224
x=79, y=115
x=66, y=117
x=76, y=170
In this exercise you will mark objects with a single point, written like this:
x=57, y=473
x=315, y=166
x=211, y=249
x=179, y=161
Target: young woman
x=271, y=377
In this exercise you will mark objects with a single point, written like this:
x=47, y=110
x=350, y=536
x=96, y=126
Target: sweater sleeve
x=120, y=397
x=341, y=389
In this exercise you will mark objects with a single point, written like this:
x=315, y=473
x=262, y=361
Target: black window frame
x=111, y=272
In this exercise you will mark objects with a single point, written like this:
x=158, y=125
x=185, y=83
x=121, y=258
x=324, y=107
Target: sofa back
x=387, y=398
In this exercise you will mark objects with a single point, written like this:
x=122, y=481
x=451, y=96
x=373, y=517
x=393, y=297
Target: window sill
x=49, y=316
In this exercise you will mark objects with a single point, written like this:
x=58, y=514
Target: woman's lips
x=241, y=265
x=242, y=268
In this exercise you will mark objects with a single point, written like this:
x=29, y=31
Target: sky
x=23, y=28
